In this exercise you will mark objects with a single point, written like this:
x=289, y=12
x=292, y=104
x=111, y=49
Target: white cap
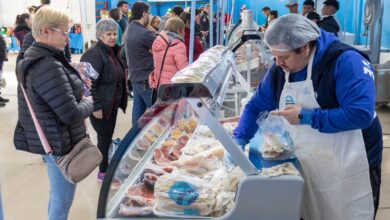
x=292, y=2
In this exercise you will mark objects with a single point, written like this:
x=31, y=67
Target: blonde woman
x=166, y=64
x=54, y=90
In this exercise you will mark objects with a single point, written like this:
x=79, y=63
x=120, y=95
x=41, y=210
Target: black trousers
x=375, y=178
x=105, y=129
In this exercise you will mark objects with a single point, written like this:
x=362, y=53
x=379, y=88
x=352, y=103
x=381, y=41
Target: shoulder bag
x=79, y=162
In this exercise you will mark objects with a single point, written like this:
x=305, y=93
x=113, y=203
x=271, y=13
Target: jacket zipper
x=116, y=81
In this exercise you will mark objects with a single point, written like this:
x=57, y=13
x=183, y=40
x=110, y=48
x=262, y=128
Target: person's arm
x=263, y=100
x=355, y=91
x=180, y=56
x=54, y=88
x=148, y=39
x=93, y=57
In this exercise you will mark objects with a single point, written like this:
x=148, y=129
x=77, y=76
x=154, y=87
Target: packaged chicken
x=180, y=193
x=276, y=142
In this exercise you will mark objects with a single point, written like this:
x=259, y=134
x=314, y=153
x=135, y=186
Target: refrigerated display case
x=171, y=163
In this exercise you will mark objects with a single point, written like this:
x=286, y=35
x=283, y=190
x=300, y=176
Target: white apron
x=334, y=166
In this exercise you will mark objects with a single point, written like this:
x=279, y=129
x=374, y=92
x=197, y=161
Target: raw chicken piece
x=279, y=170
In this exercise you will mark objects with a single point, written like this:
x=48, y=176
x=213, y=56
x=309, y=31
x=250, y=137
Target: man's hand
x=98, y=114
x=290, y=113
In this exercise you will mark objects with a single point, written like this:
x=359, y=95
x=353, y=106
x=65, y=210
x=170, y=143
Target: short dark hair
x=266, y=8
x=121, y=3
x=138, y=9
x=274, y=13
x=309, y=2
x=185, y=16
x=177, y=10
x=198, y=11
x=333, y=3
x=313, y=15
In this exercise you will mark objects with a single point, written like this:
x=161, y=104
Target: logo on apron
x=289, y=100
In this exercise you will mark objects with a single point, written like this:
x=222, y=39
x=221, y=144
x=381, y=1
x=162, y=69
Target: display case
x=171, y=163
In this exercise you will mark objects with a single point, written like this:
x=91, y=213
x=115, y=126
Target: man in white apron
x=325, y=89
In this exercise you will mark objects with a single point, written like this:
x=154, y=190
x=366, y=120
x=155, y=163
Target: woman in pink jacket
x=176, y=56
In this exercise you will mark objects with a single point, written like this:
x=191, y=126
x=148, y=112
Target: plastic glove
x=228, y=161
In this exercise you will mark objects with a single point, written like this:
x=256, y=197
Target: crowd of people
x=144, y=51
x=328, y=22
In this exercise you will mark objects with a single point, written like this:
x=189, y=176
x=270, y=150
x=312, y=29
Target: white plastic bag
x=276, y=142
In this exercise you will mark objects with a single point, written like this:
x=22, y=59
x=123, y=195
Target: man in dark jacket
x=124, y=7
x=138, y=45
x=328, y=22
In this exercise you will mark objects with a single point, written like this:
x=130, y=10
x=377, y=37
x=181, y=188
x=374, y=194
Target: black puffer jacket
x=109, y=90
x=54, y=89
x=3, y=49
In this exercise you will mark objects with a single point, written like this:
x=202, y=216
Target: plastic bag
x=181, y=193
x=86, y=72
x=277, y=143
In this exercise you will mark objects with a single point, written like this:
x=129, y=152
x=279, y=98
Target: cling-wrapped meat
x=139, y=201
x=179, y=192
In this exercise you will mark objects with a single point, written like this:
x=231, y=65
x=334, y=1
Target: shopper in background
x=265, y=12
x=138, y=44
x=116, y=15
x=308, y=6
x=170, y=40
x=205, y=24
x=176, y=11
x=329, y=22
x=326, y=91
x=54, y=89
x=155, y=23
x=164, y=20
x=292, y=6
x=123, y=6
x=198, y=47
x=22, y=26
x=273, y=15
x=32, y=9
x=3, y=57
x=109, y=90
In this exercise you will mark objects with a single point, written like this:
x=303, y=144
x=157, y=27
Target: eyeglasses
x=65, y=33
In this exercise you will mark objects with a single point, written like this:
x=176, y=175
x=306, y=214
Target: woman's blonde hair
x=175, y=24
x=47, y=16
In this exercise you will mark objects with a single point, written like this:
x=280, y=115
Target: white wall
x=81, y=11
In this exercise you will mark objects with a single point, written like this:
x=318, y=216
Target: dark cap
x=309, y=2
x=333, y=3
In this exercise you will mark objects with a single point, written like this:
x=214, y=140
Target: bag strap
x=163, y=61
x=42, y=137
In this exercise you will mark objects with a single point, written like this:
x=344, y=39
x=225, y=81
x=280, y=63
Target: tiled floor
x=24, y=182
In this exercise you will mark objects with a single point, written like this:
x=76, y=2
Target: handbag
x=79, y=162
x=155, y=90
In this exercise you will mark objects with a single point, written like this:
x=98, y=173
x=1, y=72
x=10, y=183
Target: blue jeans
x=61, y=191
x=142, y=99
